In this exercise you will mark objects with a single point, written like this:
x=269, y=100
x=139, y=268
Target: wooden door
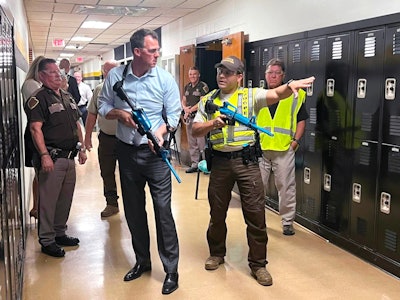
x=233, y=44
x=187, y=58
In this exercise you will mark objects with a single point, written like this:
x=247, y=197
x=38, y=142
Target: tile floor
x=303, y=266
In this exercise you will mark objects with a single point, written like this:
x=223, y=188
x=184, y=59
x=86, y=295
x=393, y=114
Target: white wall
x=262, y=19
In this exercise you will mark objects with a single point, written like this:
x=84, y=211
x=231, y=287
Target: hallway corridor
x=303, y=266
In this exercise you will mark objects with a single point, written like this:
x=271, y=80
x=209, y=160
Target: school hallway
x=303, y=266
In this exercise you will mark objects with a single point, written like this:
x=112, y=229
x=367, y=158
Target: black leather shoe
x=170, y=283
x=136, y=272
x=192, y=170
x=53, y=250
x=66, y=240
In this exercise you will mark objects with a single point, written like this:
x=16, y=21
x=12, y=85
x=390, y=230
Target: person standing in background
x=31, y=84
x=106, y=149
x=192, y=93
x=154, y=90
x=56, y=133
x=287, y=121
x=86, y=94
x=72, y=86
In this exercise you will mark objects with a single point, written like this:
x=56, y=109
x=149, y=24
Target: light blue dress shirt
x=153, y=91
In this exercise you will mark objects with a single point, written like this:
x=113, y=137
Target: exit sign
x=58, y=43
x=79, y=59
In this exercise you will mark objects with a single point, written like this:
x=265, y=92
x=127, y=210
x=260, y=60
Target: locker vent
x=330, y=213
x=279, y=53
x=366, y=122
x=265, y=57
x=364, y=156
x=394, y=162
x=337, y=50
x=311, y=144
x=396, y=43
x=369, y=46
x=361, y=227
x=309, y=207
x=315, y=52
x=394, y=125
x=313, y=115
x=252, y=61
x=390, y=240
x=296, y=54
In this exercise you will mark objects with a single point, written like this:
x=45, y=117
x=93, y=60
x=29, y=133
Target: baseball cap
x=232, y=63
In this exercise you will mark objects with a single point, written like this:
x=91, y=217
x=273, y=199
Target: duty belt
x=228, y=155
x=66, y=154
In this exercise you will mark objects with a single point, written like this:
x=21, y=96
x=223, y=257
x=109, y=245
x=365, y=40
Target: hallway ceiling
x=60, y=21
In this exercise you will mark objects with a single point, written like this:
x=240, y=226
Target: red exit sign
x=58, y=43
x=79, y=59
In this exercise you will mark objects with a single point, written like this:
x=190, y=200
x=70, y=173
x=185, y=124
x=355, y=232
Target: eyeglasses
x=225, y=72
x=53, y=73
x=152, y=51
x=276, y=73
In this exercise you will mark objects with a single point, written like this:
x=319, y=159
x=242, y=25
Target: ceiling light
x=81, y=39
x=73, y=47
x=67, y=54
x=96, y=24
x=109, y=10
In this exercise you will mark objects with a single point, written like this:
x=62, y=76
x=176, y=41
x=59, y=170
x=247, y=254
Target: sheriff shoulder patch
x=32, y=103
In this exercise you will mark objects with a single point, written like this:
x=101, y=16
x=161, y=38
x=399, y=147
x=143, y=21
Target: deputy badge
x=33, y=102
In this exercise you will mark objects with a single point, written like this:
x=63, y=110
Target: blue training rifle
x=144, y=128
x=232, y=114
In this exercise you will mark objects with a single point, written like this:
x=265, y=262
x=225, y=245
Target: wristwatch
x=296, y=140
x=289, y=82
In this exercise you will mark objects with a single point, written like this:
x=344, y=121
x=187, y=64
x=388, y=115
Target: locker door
x=388, y=208
x=296, y=68
x=252, y=56
x=334, y=109
x=310, y=207
x=266, y=55
x=367, y=108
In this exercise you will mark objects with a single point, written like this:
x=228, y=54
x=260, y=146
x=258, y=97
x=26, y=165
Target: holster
x=208, y=155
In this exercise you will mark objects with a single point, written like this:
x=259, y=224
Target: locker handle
x=390, y=88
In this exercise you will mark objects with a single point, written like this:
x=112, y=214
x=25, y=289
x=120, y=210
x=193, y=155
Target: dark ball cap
x=232, y=63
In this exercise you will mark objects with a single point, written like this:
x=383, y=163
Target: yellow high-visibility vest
x=237, y=135
x=283, y=125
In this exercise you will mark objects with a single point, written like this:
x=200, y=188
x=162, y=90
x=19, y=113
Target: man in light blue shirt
x=154, y=90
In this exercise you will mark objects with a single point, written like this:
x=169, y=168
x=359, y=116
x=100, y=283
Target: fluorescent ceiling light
x=67, y=54
x=81, y=39
x=96, y=24
x=110, y=10
x=73, y=47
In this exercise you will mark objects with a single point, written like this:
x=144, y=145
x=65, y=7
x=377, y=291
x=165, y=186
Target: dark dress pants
x=138, y=166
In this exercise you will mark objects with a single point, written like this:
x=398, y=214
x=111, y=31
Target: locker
x=310, y=206
x=295, y=68
x=334, y=121
x=388, y=206
x=266, y=54
x=252, y=56
x=366, y=129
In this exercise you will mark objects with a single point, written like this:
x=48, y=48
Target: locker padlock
x=330, y=87
x=385, y=203
x=327, y=182
x=361, y=88
x=357, y=192
x=249, y=83
x=310, y=89
x=307, y=175
x=390, y=88
x=262, y=84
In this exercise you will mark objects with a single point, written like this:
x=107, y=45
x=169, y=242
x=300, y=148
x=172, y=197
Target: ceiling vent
x=110, y=10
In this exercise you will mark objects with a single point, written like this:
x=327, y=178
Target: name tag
x=56, y=107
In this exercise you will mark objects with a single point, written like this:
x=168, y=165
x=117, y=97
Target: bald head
x=65, y=64
x=108, y=65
